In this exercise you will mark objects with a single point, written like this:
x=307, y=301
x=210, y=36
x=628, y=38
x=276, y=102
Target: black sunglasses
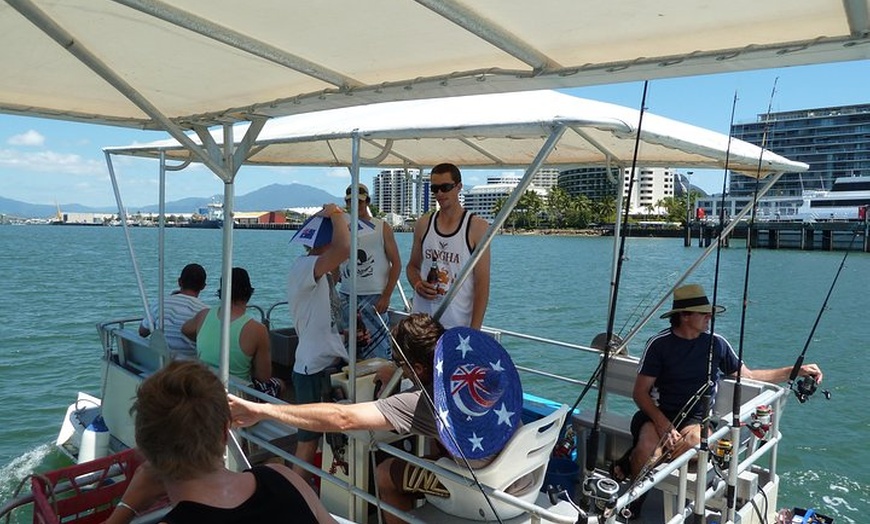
x=398, y=361
x=435, y=188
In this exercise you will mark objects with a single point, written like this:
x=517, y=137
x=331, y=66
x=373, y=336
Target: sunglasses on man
x=443, y=188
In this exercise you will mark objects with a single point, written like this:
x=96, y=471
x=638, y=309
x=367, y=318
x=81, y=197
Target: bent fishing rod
x=807, y=386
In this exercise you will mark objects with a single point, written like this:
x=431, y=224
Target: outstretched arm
x=778, y=375
x=320, y=416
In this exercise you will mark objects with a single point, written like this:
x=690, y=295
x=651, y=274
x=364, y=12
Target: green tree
x=604, y=210
x=529, y=209
x=558, y=205
x=579, y=212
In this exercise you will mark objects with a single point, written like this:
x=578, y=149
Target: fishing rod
x=704, y=452
x=704, y=393
x=807, y=385
x=725, y=453
x=441, y=417
x=595, y=434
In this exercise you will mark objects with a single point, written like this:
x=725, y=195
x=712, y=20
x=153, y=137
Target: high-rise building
x=834, y=141
x=481, y=199
x=546, y=178
x=651, y=185
x=404, y=192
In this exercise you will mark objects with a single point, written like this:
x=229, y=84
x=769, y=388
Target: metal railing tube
x=494, y=493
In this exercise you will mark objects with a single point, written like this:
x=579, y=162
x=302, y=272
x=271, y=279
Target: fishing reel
x=806, y=386
x=600, y=493
x=722, y=453
x=760, y=423
x=565, y=446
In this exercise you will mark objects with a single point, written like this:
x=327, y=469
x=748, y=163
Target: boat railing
x=670, y=477
x=753, y=448
x=106, y=330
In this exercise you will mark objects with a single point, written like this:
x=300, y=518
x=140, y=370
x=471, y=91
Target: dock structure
x=806, y=236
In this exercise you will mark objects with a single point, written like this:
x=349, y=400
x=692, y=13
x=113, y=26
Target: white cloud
x=29, y=138
x=51, y=162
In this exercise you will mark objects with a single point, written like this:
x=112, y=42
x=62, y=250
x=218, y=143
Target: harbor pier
x=806, y=236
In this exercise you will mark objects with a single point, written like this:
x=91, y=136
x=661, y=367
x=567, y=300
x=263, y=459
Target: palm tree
x=558, y=204
x=605, y=210
x=529, y=208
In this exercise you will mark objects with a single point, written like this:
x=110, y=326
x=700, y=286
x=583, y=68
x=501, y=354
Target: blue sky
x=46, y=161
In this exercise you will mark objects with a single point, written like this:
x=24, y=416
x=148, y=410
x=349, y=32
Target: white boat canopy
x=146, y=63
x=503, y=130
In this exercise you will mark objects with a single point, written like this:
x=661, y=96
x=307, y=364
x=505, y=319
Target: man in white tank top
x=378, y=267
x=443, y=243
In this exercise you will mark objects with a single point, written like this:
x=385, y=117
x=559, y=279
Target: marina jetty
x=807, y=236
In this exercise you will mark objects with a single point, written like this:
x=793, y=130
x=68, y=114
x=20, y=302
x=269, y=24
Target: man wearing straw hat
x=672, y=370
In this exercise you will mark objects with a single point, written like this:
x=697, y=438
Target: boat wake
x=13, y=473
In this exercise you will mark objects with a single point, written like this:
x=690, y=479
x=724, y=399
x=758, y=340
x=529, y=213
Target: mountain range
x=269, y=198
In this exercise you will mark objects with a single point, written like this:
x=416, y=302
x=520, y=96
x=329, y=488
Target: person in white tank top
x=378, y=267
x=443, y=244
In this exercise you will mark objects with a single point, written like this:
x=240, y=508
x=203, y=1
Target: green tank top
x=208, y=344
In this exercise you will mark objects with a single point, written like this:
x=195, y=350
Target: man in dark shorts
x=673, y=370
x=399, y=483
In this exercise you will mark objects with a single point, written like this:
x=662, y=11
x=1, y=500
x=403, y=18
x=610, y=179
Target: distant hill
x=269, y=198
x=25, y=210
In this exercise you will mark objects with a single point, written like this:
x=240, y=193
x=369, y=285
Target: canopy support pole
x=122, y=216
x=556, y=133
x=74, y=46
x=723, y=233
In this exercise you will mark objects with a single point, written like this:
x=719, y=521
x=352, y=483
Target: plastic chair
x=527, y=452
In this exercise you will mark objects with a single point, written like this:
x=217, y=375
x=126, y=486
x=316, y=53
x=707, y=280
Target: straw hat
x=691, y=298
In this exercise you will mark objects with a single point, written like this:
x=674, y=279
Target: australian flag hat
x=317, y=231
x=477, y=392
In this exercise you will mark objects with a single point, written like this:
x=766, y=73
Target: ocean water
x=60, y=281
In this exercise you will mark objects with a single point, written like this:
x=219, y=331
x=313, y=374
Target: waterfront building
x=401, y=191
x=259, y=217
x=481, y=199
x=651, y=185
x=546, y=178
x=834, y=141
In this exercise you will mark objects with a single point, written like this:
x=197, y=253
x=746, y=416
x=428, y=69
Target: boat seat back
x=526, y=453
x=136, y=353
